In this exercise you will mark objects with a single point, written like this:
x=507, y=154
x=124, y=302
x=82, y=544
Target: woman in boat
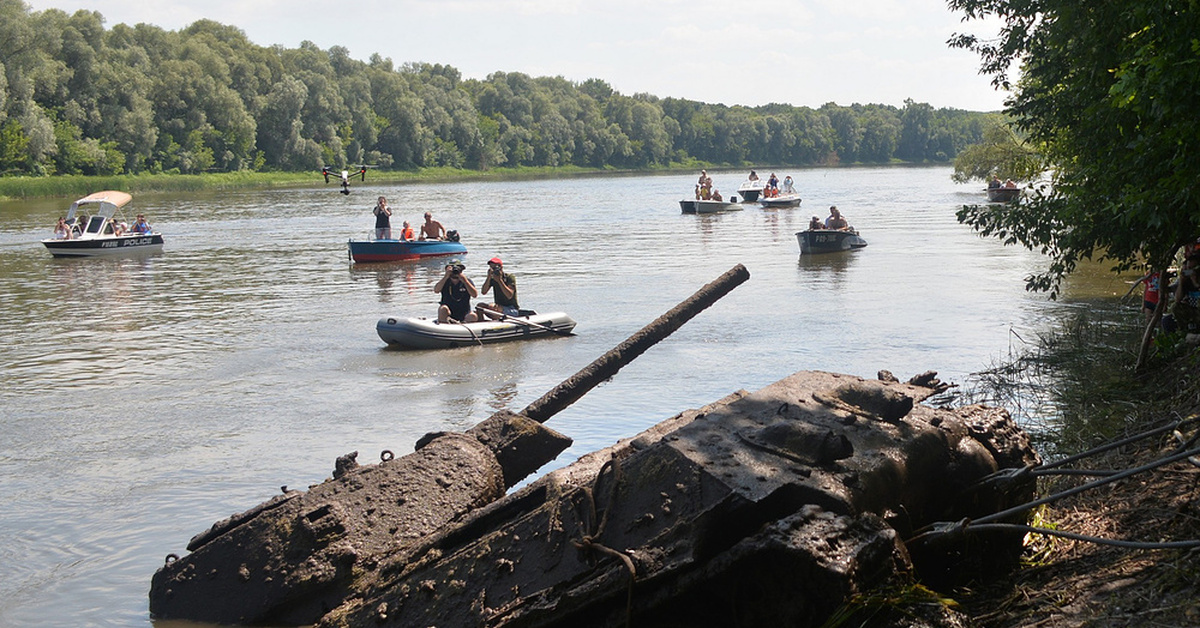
x=716, y=195
x=815, y=224
x=61, y=230
x=457, y=291
x=383, y=220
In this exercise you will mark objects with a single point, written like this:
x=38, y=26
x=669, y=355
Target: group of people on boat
x=835, y=221
x=457, y=290
x=430, y=229
x=773, y=188
x=64, y=230
x=995, y=184
x=705, y=190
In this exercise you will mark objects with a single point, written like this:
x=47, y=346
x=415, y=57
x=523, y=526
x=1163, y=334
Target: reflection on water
x=146, y=398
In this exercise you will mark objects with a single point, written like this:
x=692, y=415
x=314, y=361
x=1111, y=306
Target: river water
x=145, y=398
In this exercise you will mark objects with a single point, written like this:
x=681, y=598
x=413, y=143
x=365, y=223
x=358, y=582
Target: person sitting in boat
x=406, y=232
x=119, y=228
x=788, y=188
x=457, y=291
x=994, y=183
x=140, y=226
x=753, y=176
x=432, y=229
x=61, y=230
x=383, y=219
x=506, y=292
x=815, y=223
x=836, y=220
x=716, y=195
x=1010, y=184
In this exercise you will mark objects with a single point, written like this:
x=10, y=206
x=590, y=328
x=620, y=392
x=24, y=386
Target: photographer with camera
x=457, y=291
x=506, y=292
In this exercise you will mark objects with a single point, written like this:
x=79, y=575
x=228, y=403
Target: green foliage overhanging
x=78, y=99
x=1108, y=91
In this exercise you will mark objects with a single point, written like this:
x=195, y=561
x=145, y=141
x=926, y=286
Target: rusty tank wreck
x=766, y=508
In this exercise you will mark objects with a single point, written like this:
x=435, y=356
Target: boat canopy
x=107, y=203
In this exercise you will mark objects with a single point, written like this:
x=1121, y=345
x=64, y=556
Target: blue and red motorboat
x=369, y=251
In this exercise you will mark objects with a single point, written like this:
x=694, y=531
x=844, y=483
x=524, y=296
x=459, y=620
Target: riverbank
x=1076, y=583
x=76, y=185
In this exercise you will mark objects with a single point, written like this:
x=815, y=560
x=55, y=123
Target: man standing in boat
x=457, y=291
x=506, y=292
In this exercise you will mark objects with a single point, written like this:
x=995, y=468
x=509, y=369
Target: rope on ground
x=942, y=528
x=1011, y=476
x=590, y=531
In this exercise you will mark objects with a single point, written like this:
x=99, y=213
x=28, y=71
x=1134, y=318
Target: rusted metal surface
x=294, y=558
x=768, y=508
x=607, y=365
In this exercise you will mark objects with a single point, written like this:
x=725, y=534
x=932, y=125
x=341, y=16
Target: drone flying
x=345, y=176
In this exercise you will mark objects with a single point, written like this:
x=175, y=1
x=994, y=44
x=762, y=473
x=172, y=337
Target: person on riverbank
x=1150, y=294
x=1186, y=309
x=505, y=298
x=383, y=220
x=836, y=220
x=432, y=229
x=457, y=291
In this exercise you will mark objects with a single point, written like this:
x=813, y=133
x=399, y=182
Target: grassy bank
x=1084, y=372
x=73, y=186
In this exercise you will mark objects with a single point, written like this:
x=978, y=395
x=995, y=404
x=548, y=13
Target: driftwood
x=765, y=509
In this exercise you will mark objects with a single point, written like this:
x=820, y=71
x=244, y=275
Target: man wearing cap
x=506, y=292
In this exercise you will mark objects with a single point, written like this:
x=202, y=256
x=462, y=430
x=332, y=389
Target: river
x=145, y=398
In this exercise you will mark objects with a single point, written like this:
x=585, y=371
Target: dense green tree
x=1109, y=89
x=76, y=98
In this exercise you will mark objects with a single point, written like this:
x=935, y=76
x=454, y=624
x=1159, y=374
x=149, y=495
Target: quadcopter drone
x=345, y=175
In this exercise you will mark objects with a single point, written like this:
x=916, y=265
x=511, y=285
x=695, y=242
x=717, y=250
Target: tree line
x=77, y=98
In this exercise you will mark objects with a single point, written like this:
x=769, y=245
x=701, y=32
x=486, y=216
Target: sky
x=797, y=52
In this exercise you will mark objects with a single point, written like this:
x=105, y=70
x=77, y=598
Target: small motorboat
x=421, y=333
x=366, y=251
x=750, y=190
x=829, y=240
x=1002, y=194
x=708, y=207
x=783, y=200
x=98, y=235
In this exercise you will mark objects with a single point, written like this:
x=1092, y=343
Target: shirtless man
x=432, y=229
x=836, y=220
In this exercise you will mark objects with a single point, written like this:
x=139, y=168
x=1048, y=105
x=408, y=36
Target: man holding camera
x=457, y=291
x=506, y=292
